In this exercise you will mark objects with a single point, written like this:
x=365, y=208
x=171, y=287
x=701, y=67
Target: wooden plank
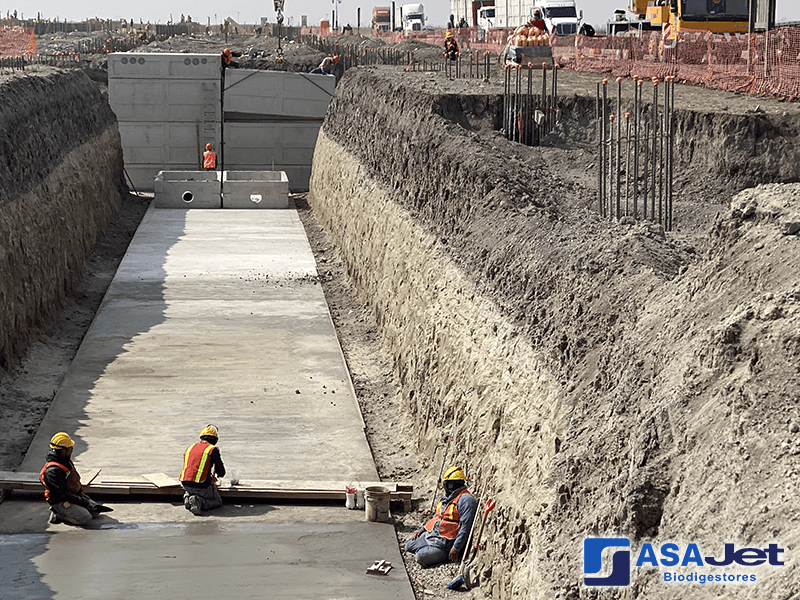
x=160, y=484
x=161, y=480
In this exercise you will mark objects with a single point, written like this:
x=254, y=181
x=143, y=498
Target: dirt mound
x=607, y=378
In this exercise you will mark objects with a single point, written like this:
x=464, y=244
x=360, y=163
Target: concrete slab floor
x=214, y=316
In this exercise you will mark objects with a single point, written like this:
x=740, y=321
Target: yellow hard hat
x=454, y=474
x=448, y=34
x=61, y=440
x=209, y=430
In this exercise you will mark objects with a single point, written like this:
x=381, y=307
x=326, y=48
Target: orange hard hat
x=227, y=52
x=209, y=146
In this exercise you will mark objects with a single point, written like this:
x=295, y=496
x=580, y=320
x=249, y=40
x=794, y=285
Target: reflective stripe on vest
x=41, y=475
x=447, y=517
x=197, y=462
x=209, y=161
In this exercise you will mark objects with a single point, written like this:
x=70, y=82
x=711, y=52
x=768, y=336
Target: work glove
x=454, y=554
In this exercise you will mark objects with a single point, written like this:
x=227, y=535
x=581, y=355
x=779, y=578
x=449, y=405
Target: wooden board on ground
x=161, y=484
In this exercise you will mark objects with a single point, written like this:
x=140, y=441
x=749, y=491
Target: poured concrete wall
x=60, y=168
x=169, y=106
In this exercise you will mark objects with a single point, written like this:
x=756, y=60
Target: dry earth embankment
x=607, y=379
x=60, y=174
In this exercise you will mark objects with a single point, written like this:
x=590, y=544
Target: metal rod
x=619, y=144
x=637, y=95
x=600, y=175
x=655, y=150
x=671, y=146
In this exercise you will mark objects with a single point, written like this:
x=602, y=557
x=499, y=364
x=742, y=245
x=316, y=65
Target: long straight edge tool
x=462, y=578
x=450, y=438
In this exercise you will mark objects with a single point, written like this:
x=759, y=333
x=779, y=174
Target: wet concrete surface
x=214, y=316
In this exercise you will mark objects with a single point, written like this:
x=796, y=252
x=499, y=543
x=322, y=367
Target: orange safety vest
x=209, y=160
x=197, y=462
x=41, y=476
x=448, y=517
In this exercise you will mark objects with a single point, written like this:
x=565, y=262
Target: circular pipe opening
x=187, y=196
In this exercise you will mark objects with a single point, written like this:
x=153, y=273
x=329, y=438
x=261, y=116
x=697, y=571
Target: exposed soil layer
x=607, y=379
x=60, y=183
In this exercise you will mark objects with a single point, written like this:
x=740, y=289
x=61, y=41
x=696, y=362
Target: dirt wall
x=60, y=174
x=606, y=379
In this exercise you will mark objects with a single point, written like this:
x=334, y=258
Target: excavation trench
x=606, y=378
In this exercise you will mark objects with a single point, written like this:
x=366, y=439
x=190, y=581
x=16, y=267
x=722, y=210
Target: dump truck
x=381, y=19
x=674, y=16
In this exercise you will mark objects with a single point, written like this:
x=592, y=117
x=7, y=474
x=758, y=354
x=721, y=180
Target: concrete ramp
x=214, y=316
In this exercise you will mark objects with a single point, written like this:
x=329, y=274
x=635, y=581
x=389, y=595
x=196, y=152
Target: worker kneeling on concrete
x=444, y=537
x=62, y=486
x=201, y=462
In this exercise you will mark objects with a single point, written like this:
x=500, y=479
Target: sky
x=596, y=12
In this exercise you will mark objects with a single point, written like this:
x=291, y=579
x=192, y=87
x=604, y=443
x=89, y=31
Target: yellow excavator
x=718, y=16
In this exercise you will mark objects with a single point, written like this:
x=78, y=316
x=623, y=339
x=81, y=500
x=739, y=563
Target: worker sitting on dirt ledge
x=62, y=486
x=200, y=462
x=450, y=46
x=445, y=535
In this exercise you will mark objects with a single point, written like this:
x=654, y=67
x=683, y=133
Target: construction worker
x=537, y=21
x=62, y=486
x=227, y=59
x=202, y=463
x=209, y=158
x=444, y=536
x=326, y=66
x=450, y=46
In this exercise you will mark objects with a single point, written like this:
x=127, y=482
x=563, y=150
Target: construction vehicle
x=412, y=17
x=560, y=16
x=381, y=19
x=674, y=16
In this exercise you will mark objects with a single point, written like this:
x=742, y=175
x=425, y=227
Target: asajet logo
x=730, y=565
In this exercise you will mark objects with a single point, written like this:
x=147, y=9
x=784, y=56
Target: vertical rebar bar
x=599, y=118
x=619, y=144
x=628, y=160
x=654, y=154
x=671, y=146
x=528, y=111
x=604, y=118
x=637, y=97
x=544, y=97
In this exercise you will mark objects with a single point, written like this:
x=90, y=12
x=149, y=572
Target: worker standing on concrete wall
x=201, y=462
x=62, y=486
x=209, y=158
x=444, y=536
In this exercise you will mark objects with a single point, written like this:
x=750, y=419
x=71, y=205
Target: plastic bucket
x=377, y=503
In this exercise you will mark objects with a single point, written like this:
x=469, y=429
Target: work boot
x=54, y=518
x=194, y=506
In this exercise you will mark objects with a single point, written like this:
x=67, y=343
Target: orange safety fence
x=17, y=41
x=760, y=63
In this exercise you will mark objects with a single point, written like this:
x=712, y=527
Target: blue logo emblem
x=593, y=561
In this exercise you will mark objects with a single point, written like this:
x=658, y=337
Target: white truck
x=413, y=17
x=560, y=16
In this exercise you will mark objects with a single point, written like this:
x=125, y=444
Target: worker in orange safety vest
x=201, y=463
x=444, y=537
x=209, y=158
x=62, y=486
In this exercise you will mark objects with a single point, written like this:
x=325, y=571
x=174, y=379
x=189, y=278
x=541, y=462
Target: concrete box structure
x=170, y=105
x=255, y=189
x=272, y=120
x=188, y=189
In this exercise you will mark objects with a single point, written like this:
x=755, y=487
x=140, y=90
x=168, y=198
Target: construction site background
x=759, y=63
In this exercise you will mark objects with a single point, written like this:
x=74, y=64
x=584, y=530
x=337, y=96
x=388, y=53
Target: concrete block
x=276, y=93
x=173, y=146
x=255, y=189
x=187, y=189
x=151, y=65
x=162, y=100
